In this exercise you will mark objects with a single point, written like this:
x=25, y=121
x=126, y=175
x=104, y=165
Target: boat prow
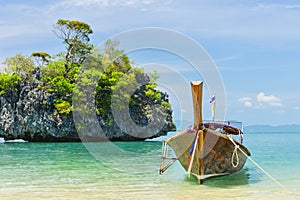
x=206, y=150
x=218, y=155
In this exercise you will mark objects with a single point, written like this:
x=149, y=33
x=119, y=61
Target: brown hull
x=215, y=158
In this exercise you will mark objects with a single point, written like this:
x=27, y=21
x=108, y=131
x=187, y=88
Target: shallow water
x=129, y=170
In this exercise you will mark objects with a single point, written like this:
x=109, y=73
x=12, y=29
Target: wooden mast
x=197, y=102
x=198, y=123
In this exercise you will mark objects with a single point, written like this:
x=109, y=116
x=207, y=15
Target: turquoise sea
x=129, y=170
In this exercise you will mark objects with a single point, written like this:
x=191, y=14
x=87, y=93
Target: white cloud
x=243, y=99
x=296, y=108
x=12, y=27
x=106, y=3
x=248, y=104
x=18, y=30
x=262, y=101
x=270, y=100
x=228, y=20
x=277, y=6
x=247, y=101
x=292, y=6
x=260, y=20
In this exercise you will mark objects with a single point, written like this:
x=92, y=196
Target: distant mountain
x=293, y=128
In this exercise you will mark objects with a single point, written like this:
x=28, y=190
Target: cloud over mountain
x=262, y=100
x=270, y=100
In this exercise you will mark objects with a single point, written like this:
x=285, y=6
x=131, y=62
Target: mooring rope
x=257, y=165
x=235, y=153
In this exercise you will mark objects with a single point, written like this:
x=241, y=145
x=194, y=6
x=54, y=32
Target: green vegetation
x=63, y=107
x=41, y=58
x=8, y=82
x=75, y=36
x=81, y=66
x=23, y=66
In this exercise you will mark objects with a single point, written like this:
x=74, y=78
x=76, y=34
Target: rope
x=235, y=153
x=259, y=167
x=193, y=154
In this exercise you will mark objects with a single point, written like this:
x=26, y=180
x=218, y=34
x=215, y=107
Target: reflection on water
x=236, y=179
x=226, y=181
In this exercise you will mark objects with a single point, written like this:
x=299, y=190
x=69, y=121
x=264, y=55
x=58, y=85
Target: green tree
x=41, y=58
x=114, y=59
x=75, y=36
x=21, y=65
x=54, y=80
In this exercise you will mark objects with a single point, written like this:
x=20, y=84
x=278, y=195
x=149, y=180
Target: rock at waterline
x=29, y=114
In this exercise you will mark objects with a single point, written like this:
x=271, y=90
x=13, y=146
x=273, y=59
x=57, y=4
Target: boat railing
x=236, y=124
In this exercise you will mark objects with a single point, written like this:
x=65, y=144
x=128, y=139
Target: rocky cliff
x=117, y=101
x=28, y=113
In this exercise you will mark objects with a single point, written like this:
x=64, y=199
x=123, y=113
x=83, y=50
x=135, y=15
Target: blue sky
x=255, y=44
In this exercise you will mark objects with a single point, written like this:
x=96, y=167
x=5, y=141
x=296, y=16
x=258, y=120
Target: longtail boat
x=206, y=149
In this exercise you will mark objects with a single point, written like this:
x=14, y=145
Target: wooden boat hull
x=206, y=149
x=217, y=155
